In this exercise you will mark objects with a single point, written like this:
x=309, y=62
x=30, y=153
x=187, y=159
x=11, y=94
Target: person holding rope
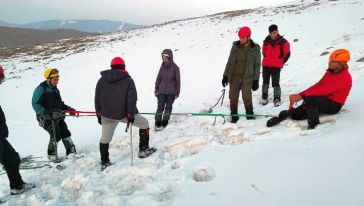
x=167, y=89
x=325, y=97
x=49, y=108
x=9, y=158
x=115, y=101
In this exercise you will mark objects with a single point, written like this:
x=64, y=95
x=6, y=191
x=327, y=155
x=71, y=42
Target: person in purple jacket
x=167, y=89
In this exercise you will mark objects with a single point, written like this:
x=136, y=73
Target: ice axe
x=222, y=100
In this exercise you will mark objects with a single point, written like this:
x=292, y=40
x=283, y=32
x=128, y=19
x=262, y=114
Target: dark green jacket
x=252, y=70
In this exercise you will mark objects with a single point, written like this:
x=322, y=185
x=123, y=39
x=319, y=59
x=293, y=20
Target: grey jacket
x=115, y=94
x=168, y=80
x=252, y=70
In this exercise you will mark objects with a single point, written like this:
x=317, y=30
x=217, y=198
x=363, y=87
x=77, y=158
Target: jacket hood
x=169, y=53
x=114, y=75
x=269, y=40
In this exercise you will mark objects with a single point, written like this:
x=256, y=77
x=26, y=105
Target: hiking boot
x=105, y=164
x=22, y=188
x=158, y=124
x=234, y=111
x=264, y=100
x=164, y=123
x=250, y=113
x=53, y=158
x=146, y=152
x=277, y=102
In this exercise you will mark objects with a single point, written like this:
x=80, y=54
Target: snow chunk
x=204, y=174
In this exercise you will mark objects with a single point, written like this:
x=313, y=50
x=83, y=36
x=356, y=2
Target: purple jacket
x=168, y=80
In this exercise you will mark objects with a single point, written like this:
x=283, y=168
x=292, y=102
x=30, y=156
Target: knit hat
x=272, y=28
x=244, y=32
x=117, y=61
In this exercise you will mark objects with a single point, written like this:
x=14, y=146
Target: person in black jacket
x=9, y=158
x=115, y=101
x=49, y=108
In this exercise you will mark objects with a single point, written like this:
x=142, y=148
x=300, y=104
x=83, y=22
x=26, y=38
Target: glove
x=295, y=98
x=99, y=119
x=224, y=81
x=255, y=86
x=72, y=111
x=130, y=117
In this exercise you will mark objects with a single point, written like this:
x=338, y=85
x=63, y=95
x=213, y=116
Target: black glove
x=255, y=86
x=130, y=117
x=224, y=81
x=99, y=119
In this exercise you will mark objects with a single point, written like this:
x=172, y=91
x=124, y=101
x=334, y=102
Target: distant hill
x=13, y=37
x=95, y=26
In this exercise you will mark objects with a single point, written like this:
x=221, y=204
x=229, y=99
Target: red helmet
x=117, y=61
x=1, y=70
x=244, y=32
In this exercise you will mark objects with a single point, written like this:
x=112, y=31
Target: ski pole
x=131, y=143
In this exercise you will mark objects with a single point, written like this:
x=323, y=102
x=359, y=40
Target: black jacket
x=4, y=132
x=115, y=94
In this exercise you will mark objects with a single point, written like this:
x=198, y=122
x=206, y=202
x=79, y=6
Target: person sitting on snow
x=49, y=108
x=325, y=97
x=115, y=101
x=9, y=158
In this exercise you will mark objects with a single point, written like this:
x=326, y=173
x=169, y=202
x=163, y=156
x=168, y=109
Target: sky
x=143, y=12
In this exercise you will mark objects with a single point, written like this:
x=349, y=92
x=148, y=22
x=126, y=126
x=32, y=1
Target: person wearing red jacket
x=325, y=97
x=276, y=52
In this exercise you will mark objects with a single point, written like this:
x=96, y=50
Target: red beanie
x=244, y=32
x=117, y=61
x=1, y=70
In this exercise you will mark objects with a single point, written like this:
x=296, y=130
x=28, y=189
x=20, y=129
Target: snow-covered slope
x=246, y=163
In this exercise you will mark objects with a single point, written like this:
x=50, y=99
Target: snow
x=198, y=162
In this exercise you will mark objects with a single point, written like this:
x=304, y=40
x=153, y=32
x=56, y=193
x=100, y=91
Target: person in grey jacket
x=167, y=88
x=115, y=101
x=242, y=72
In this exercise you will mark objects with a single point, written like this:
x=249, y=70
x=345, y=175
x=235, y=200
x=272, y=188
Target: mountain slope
x=245, y=163
x=13, y=37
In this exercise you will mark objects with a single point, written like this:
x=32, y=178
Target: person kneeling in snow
x=115, y=101
x=9, y=158
x=49, y=107
x=325, y=97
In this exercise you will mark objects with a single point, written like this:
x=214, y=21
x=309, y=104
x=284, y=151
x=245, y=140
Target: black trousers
x=60, y=131
x=312, y=107
x=10, y=159
x=275, y=73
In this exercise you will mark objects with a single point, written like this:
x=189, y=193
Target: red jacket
x=275, y=53
x=335, y=86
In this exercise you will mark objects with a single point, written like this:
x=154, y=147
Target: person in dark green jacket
x=242, y=72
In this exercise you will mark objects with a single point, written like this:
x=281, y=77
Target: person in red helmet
x=242, y=73
x=276, y=52
x=116, y=101
x=327, y=96
x=9, y=158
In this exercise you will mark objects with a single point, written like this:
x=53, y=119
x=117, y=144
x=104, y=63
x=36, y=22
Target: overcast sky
x=143, y=12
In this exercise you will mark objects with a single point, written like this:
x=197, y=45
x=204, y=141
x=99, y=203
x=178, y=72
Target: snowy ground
x=198, y=163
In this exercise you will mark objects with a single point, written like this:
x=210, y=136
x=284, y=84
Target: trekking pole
x=131, y=143
x=54, y=137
